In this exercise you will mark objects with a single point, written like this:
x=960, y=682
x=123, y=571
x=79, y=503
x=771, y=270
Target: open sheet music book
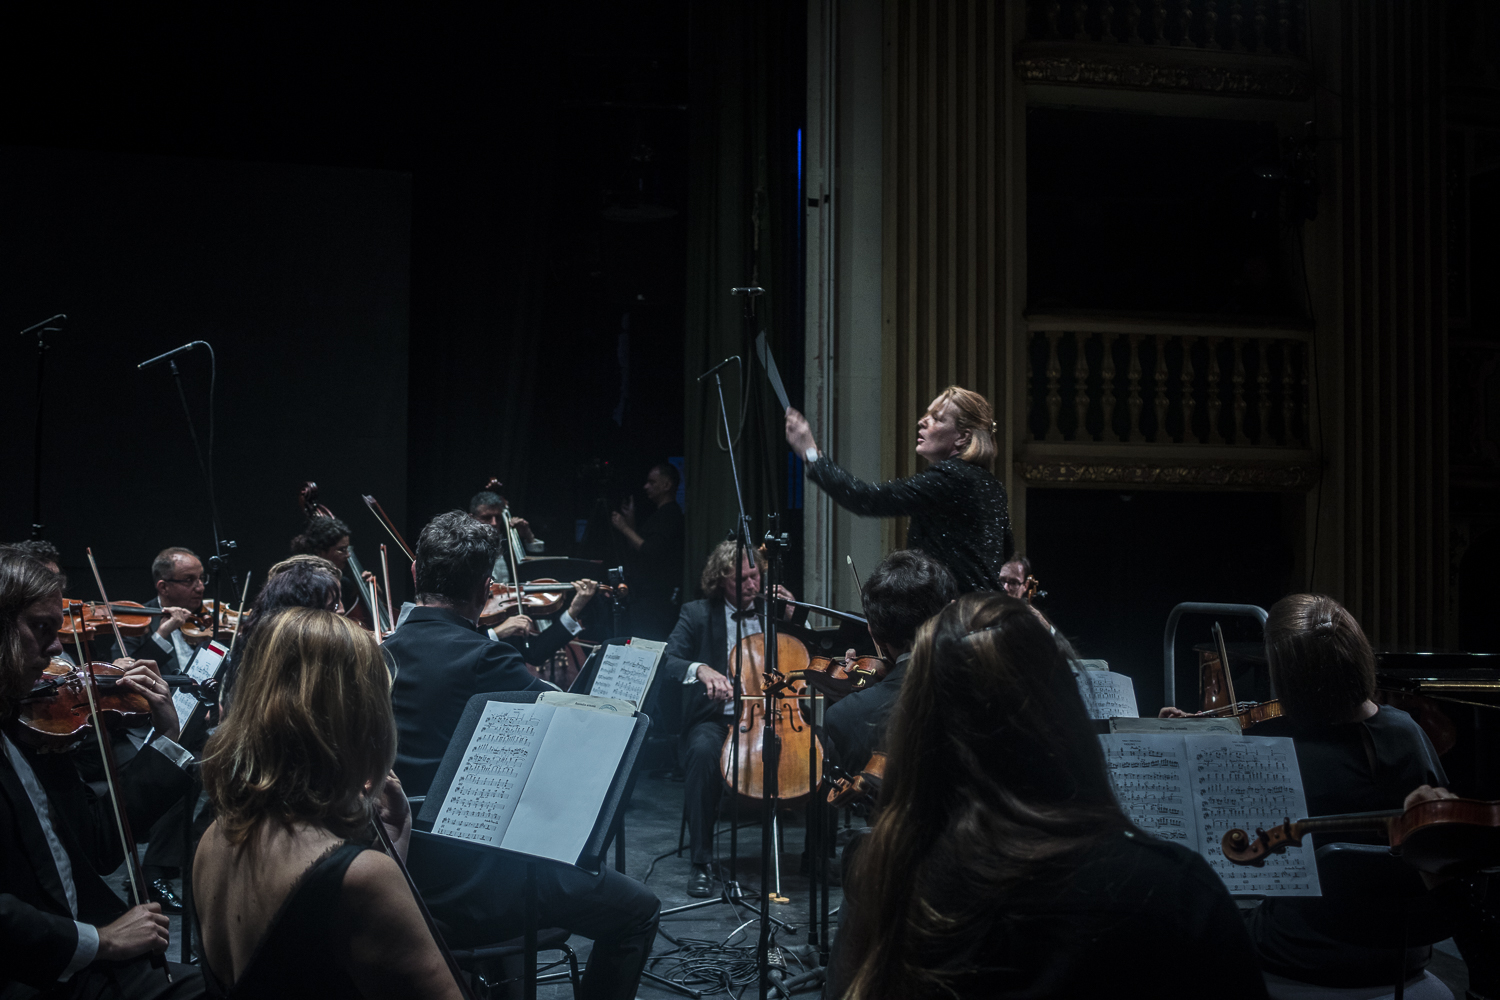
x=625, y=672
x=534, y=777
x=1106, y=695
x=1193, y=789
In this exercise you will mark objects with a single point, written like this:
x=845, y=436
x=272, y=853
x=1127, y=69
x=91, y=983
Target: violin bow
x=239, y=617
x=432, y=927
x=389, y=525
x=385, y=571
x=136, y=877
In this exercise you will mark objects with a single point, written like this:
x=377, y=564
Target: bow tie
x=745, y=615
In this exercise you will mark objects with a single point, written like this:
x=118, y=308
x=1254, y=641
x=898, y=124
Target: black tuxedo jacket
x=441, y=661
x=700, y=636
x=37, y=934
x=142, y=647
x=855, y=726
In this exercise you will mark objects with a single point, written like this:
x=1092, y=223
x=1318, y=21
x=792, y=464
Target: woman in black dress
x=1000, y=864
x=958, y=510
x=291, y=900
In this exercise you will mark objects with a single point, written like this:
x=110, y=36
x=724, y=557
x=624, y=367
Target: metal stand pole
x=52, y=324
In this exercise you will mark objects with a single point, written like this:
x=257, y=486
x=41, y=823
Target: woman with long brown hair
x=1000, y=864
x=290, y=898
x=958, y=509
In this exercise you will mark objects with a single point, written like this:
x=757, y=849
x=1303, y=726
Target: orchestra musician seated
x=906, y=589
x=328, y=539
x=1355, y=756
x=489, y=507
x=697, y=655
x=178, y=577
x=442, y=659
x=1013, y=576
x=290, y=899
x=302, y=581
x=1000, y=863
x=63, y=931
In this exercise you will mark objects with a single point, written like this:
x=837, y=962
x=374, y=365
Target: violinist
x=1000, y=863
x=291, y=901
x=655, y=559
x=697, y=656
x=63, y=931
x=179, y=579
x=489, y=507
x=1013, y=576
x=43, y=552
x=906, y=589
x=441, y=661
x=298, y=582
x=958, y=510
x=1354, y=755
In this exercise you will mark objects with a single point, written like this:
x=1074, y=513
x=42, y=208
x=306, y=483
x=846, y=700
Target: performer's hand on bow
x=798, y=433
x=516, y=627
x=715, y=684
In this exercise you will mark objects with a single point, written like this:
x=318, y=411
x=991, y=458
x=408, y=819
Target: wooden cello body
x=798, y=772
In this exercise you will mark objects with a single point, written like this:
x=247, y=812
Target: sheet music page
x=625, y=672
x=1247, y=782
x=496, y=764
x=1153, y=784
x=1107, y=695
x=203, y=667
x=574, y=768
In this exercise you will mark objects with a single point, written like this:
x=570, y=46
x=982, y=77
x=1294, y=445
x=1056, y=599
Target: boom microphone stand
x=53, y=324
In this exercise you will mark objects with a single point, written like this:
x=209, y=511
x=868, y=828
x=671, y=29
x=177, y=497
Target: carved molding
x=1146, y=69
x=1249, y=475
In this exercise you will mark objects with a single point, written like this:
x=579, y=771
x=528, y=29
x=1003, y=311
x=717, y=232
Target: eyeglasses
x=1008, y=583
x=203, y=578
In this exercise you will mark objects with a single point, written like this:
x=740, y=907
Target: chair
x=1372, y=899
x=505, y=965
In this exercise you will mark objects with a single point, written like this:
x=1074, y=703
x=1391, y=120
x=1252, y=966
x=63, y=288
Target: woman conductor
x=958, y=510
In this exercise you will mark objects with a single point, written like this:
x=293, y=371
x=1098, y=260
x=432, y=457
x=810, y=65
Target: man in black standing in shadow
x=655, y=560
x=441, y=660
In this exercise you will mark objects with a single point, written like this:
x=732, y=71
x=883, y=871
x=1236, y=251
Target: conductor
x=958, y=510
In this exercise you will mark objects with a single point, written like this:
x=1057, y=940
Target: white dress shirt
x=750, y=626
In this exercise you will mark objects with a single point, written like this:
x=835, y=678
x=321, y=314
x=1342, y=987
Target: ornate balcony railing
x=1229, y=390
x=1275, y=27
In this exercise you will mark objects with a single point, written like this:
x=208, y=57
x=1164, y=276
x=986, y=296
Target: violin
x=1246, y=713
x=836, y=677
x=203, y=625
x=862, y=787
x=540, y=598
x=1033, y=589
x=55, y=717
x=131, y=618
x=796, y=775
x=1439, y=836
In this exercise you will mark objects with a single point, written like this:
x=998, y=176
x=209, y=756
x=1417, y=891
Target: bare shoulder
x=372, y=879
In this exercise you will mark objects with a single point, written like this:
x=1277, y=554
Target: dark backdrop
x=296, y=275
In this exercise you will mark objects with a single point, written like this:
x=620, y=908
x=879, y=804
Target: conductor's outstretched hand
x=798, y=433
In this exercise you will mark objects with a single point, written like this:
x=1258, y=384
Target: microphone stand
x=52, y=324
x=732, y=893
x=220, y=560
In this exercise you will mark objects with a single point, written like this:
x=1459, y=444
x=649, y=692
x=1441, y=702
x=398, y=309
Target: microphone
x=52, y=324
x=169, y=355
x=733, y=357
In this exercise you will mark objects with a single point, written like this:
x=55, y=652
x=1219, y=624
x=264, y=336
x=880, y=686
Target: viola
x=862, y=787
x=796, y=775
x=1440, y=836
x=203, y=626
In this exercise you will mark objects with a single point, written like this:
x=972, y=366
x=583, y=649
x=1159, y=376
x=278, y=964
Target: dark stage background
x=429, y=245
x=298, y=278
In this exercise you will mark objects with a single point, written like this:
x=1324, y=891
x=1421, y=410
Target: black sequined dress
x=959, y=514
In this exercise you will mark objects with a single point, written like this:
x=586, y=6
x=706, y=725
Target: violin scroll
x=1241, y=850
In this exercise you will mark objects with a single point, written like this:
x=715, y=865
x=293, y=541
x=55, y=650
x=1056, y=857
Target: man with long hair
x=63, y=931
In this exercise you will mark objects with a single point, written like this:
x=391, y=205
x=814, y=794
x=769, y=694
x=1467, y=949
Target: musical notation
x=1192, y=789
x=492, y=773
x=626, y=672
x=1107, y=695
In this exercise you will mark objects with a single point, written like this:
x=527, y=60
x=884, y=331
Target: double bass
x=367, y=609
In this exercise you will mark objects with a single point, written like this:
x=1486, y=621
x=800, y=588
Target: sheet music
x=574, y=768
x=1153, y=785
x=1247, y=782
x=1107, y=695
x=494, y=769
x=625, y=672
x=203, y=667
x=1192, y=789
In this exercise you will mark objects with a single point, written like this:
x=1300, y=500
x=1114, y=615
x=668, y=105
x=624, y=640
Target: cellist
x=63, y=931
x=697, y=655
